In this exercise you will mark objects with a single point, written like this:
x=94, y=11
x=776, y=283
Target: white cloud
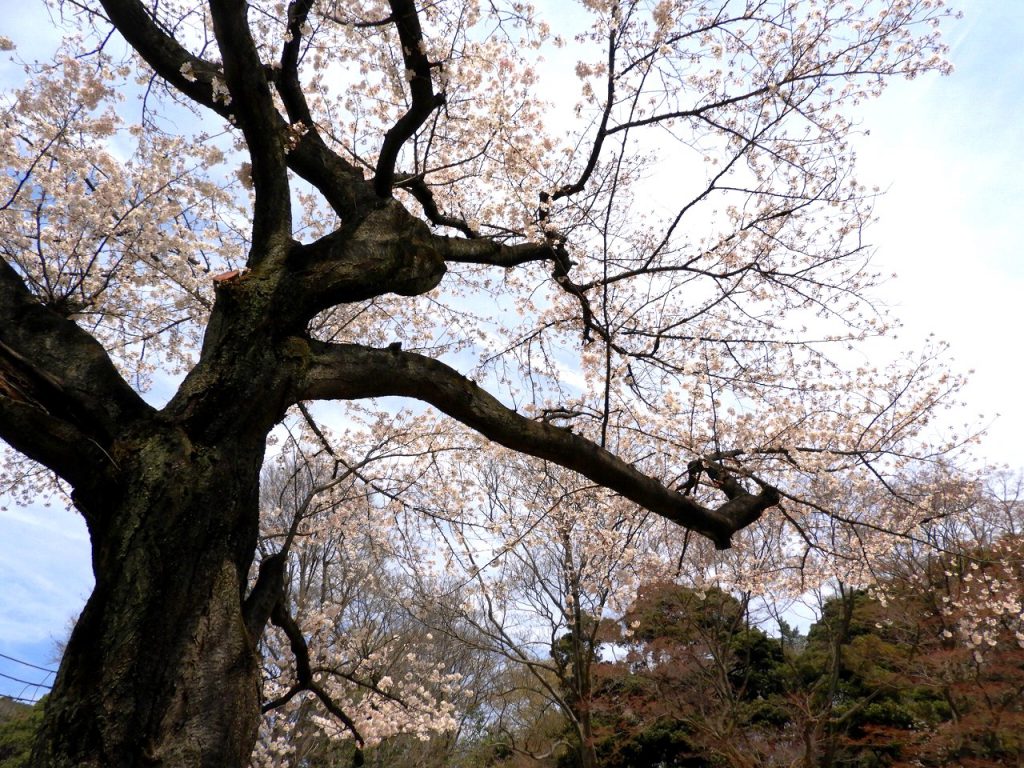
x=45, y=571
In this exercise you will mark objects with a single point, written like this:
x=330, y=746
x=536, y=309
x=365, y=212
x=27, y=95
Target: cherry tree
x=536, y=566
x=625, y=241
x=341, y=633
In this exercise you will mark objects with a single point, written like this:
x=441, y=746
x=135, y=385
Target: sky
x=949, y=153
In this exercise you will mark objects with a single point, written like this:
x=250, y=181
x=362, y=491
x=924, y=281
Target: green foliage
x=17, y=734
x=758, y=669
x=670, y=613
x=874, y=684
x=694, y=667
x=662, y=742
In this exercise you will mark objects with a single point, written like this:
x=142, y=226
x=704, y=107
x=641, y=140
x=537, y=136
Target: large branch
x=57, y=444
x=191, y=75
x=421, y=88
x=341, y=182
x=258, y=119
x=387, y=251
x=288, y=84
x=482, y=250
x=345, y=371
x=415, y=185
x=51, y=362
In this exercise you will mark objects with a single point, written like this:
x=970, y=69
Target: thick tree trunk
x=160, y=669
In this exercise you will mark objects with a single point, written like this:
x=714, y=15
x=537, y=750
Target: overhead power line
x=27, y=685
x=19, y=699
x=47, y=686
x=27, y=664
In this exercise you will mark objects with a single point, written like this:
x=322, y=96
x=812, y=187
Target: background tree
x=956, y=607
x=345, y=621
x=914, y=672
x=358, y=620
x=698, y=684
x=415, y=210
x=543, y=558
x=19, y=724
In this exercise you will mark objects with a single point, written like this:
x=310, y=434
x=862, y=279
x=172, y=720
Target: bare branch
x=303, y=672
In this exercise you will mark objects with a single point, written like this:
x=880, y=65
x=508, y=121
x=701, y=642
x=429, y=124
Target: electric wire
x=27, y=684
